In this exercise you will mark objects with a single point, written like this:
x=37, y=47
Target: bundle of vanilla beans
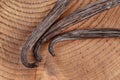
x=50, y=28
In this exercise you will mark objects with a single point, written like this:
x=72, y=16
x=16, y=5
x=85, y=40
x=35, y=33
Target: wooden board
x=91, y=59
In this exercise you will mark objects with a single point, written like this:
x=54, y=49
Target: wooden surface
x=91, y=59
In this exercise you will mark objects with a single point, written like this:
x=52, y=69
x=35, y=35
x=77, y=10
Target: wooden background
x=91, y=59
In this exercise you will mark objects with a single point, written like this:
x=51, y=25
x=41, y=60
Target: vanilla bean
x=75, y=17
x=54, y=14
x=85, y=34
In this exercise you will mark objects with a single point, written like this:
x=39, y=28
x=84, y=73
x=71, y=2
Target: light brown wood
x=91, y=59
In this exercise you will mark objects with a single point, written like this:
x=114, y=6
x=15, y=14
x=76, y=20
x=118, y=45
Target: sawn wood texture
x=91, y=59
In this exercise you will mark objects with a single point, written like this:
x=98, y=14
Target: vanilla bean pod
x=85, y=34
x=54, y=14
x=75, y=17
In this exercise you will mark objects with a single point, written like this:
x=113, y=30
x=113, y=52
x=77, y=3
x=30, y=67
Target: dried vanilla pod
x=50, y=27
x=77, y=16
x=41, y=29
x=84, y=34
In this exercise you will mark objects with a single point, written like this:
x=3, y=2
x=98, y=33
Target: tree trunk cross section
x=91, y=59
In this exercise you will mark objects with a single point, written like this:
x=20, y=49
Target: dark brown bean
x=85, y=34
x=54, y=14
x=77, y=16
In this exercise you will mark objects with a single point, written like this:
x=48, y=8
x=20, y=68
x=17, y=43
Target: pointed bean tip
x=51, y=50
x=36, y=64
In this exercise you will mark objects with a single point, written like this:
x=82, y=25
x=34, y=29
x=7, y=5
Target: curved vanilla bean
x=75, y=17
x=54, y=14
x=85, y=34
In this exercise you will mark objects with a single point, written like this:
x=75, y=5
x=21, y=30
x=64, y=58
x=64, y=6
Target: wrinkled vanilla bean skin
x=84, y=34
x=77, y=16
x=54, y=14
x=47, y=29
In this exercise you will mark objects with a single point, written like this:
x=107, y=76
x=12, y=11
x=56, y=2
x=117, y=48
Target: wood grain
x=90, y=59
